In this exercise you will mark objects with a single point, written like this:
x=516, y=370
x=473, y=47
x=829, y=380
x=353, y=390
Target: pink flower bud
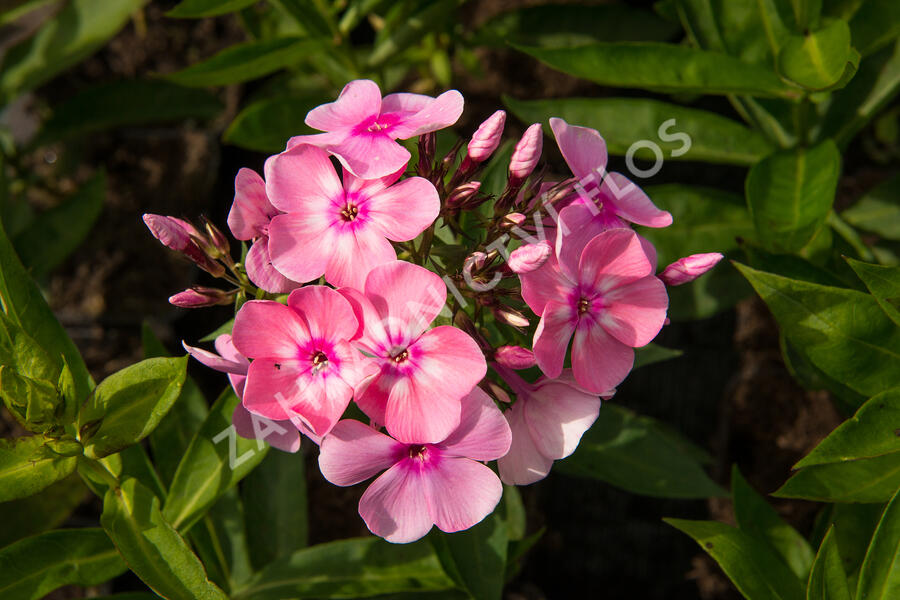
x=513, y=220
x=515, y=357
x=499, y=393
x=475, y=260
x=689, y=268
x=174, y=234
x=510, y=316
x=463, y=193
x=218, y=240
x=487, y=137
x=527, y=153
x=198, y=297
x=529, y=257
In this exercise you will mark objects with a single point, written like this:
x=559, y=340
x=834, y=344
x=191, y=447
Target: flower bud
x=513, y=220
x=219, y=242
x=427, y=145
x=529, y=257
x=526, y=154
x=515, y=357
x=498, y=392
x=173, y=233
x=510, y=316
x=689, y=268
x=487, y=137
x=475, y=260
x=199, y=297
x=463, y=193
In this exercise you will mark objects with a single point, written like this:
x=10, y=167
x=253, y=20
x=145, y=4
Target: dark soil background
x=729, y=392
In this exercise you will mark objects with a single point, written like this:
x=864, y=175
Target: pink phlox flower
x=424, y=484
x=303, y=364
x=606, y=296
x=249, y=219
x=340, y=230
x=362, y=127
x=547, y=421
x=689, y=268
x=423, y=373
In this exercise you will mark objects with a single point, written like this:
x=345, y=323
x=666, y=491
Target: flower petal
x=524, y=463
x=632, y=203
x=353, y=452
x=216, y=362
x=251, y=211
x=262, y=272
x=354, y=253
x=279, y=434
x=636, y=312
x=551, y=338
x=404, y=210
x=483, y=433
x=267, y=329
x=613, y=258
x=300, y=178
x=407, y=297
x=460, y=492
x=299, y=245
x=370, y=155
x=599, y=361
x=329, y=316
x=359, y=100
x=439, y=113
x=394, y=507
x=583, y=149
x=558, y=415
x=322, y=400
x=545, y=284
x=273, y=386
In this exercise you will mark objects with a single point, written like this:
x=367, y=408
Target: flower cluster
x=343, y=298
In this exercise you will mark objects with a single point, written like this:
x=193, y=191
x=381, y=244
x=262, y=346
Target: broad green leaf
x=196, y=9
x=624, y=121
x=311, y=15
x=475, y=558
x=247, y=61
x=556, y=25
x=879, y=576
x=410, y=29
x=663, y=68
x=818, y=60
x=791, y=266
x=653, y=353
x=827, y=580
x=275, y=498
x=843, y=332
x=151, y=546
x=34, y=403
x=757, y=518
x=216, y=460
x=875, y=24
x=130, y=596
x=224, y=328
x=751, y=565
x=45, y=510
x=76, y=32
x=879, y=210
x=630, y=452
x=56, y=233
x=789, y=194
x=752, y=30
x=130, y=403
x=352, y=568
x=813, y=378
x=129, y=102
x=28, y=465
x=872, y=480
x=13, y=10
x=884, y=284
x=513, y=512
x=266, y=125
x=806, y=13
x=220, y=538
x=854, y=525
x=34, y=567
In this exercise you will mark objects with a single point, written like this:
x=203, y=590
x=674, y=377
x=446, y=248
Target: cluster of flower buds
x=422, y=321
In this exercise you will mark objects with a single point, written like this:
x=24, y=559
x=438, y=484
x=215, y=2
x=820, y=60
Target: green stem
x=98, y=470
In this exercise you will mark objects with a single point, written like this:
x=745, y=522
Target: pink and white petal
x=237, y=384
x=551, y=338
x=636, y=312
x=407, y=297
x=394, y=507
x=354, y=185
x=354, y=254
x=483, y=433
x=631, y=203
x=358, y=101
x=304, y=429
x=225, y=347
x=319, y=140
x=545, y=284
x=302, y=179
x=460, y=492
x=263, y=273
x=300, y=245
x=267, y=329
x=354, y=366
x=650, y=251
x=404, y=104
x=278, y=434
x=272, y=387
x=353, y=452
x=370, y=155
x=577, y=225
x=524, y=463
x=419, y=413
x=370, y=336
x=613, y=258
x=448, y=361
x=328, y=314
x=251, y=211
x=583, y=149
x=558, y=415
x=599, y=361
x=322, y=400
x=441, y=112
x=372, y=393
x=404, y=210
x=214, y=361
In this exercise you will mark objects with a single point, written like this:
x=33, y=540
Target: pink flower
x=303, y=365
x=340, y=230
x=249, y=219
x=362, y=126
x=425, y=484
x=526, y=154
x=529, y=257
x=689, y=268
x=606, y=295
x=547, y=421
x=423, y=375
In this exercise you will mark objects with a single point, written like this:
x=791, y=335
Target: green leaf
x=410, y=30
x=751, y=565
x=624, y=121
x=221, y=541
x=266, y=125
x=827, y=580
x=757, y=518
x=151, y=546
x=653, y=353
x=196, y=9
x=129, y=102
x=76, y=32
x=818, y=60
x=789, y=194
x=879, y=210
x=13, y=10
x=32, y=402
x=215, y=461
x=223, y=328
x=663, y=68
x=45, y=510
x=130, y=403
x=475, y=558
x=806, y=13
x=247, y=61
x=55, y=233
x=513, y=512
x=353, y=568
x=842, y=332
x=879, y=576
x=630, y=452
x=28, y=465
x=866, y=480
x=884, y=284
x=874, y=25
x=34, y=567
x=275, y=494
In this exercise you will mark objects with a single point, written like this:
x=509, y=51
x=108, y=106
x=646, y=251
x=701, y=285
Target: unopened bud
x=427, y=147
x=487, y=137
x=515, y=357
x=510, y=316
x=689, y=268
x=529, y=257
x=219, y=242
x=461, y=194
x=199, y=297
x=513, y=220
x=498, y=392
x=475, y=260
x=174, y=233
x=526, y=154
